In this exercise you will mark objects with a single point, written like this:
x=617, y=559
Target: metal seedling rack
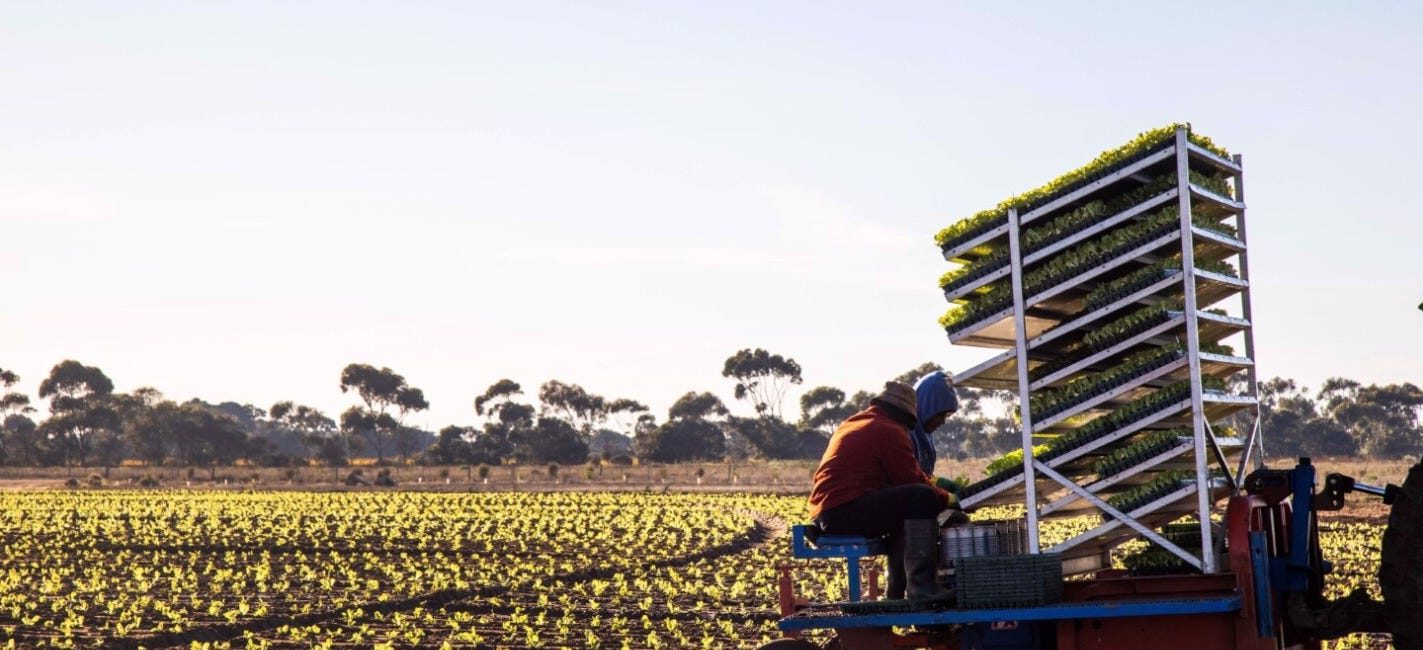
x=1042, y=328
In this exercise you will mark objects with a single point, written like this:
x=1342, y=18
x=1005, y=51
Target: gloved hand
x=948, y=485
x=952, y=517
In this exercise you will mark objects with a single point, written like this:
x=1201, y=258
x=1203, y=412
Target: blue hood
x=934, y=395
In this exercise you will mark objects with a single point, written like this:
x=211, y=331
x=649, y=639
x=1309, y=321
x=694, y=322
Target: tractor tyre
x=1401, y=565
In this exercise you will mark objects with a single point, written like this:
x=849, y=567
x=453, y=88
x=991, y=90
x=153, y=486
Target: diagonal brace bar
x=1118, y=514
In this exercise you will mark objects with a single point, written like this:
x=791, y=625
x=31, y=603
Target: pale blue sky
x=233, y=200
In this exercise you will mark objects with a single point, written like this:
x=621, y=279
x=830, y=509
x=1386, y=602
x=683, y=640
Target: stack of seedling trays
x=991, y=581
x=1126, y=311
x=1153, y=560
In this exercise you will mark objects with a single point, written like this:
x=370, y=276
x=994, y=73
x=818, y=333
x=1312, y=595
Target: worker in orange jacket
x=870, y=483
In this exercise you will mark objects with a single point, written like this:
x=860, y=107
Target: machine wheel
x=1401, y=565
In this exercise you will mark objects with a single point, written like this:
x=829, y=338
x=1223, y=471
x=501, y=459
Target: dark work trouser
x=880, y=513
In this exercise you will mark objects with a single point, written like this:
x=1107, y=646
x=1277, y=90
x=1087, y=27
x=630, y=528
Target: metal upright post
x=1193, y=349
x=1255, y=440
x=1030, y=483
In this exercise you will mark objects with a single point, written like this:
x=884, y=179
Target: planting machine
x=1135, y=419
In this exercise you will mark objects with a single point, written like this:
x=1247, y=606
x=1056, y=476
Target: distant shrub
x=277, y=460
x=96, y=481
x=72, y=483
x=148, y=480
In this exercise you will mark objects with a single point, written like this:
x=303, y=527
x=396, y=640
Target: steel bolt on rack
x=1034, y=328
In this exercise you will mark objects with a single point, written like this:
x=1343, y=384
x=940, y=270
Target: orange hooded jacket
x=868, y=451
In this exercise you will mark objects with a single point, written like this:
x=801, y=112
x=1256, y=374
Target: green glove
x=948, y=485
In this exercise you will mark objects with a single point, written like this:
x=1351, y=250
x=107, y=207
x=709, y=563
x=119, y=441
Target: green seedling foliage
x=1109, y=292
x=1041, y=235
x=1012, y=460
x=1108, y=160
x=998, y=295
x=1142, y=448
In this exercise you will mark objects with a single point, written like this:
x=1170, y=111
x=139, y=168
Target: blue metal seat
x=808, y=541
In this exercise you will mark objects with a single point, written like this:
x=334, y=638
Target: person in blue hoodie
x=936, y=401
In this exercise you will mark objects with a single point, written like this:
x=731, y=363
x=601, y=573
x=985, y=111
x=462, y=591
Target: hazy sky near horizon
x=233, y=200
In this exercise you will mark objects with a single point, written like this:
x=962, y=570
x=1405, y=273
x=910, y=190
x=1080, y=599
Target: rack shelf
x=964, y=252
x=1212, y=365
x=1046, y=326
x=1159, y=512
x=1054, y=248
x=1065, y=299
x=1010, y=490
x=1157, y=162
x=1182, y=456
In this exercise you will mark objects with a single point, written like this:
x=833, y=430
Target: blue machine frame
x=850, y=547
x=1163, y=607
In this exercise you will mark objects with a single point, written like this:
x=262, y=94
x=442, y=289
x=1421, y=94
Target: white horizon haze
x=233, y=201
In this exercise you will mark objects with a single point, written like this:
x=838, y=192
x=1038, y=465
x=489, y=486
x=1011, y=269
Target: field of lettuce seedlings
x=220, y=569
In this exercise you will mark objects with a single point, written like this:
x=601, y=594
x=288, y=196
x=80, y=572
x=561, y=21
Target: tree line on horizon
x=90, y=425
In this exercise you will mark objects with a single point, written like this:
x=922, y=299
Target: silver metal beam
x=1248, y=314
x=1227, y=166
x=1169, y=324
x=1078, y=452
x=1030, y=484
x=1124, y=258
x=1105, y=181
x=1251, y=443
x=1112, y=394
x=1087, y=319
x=1056, y=247
x=1142, y=529
x=1193, y=350
x=1220, y=458
x=1105, y=482
x=1099, y=227
x=956, y=253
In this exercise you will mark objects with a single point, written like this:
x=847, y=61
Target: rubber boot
x=921, y=561
x=894, y=577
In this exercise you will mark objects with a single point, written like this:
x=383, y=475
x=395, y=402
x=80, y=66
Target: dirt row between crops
x=765, y=529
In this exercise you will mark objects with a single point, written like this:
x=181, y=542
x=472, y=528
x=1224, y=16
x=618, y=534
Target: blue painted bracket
x=850, y=547
x=1260, y=564
x=1292, y=572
